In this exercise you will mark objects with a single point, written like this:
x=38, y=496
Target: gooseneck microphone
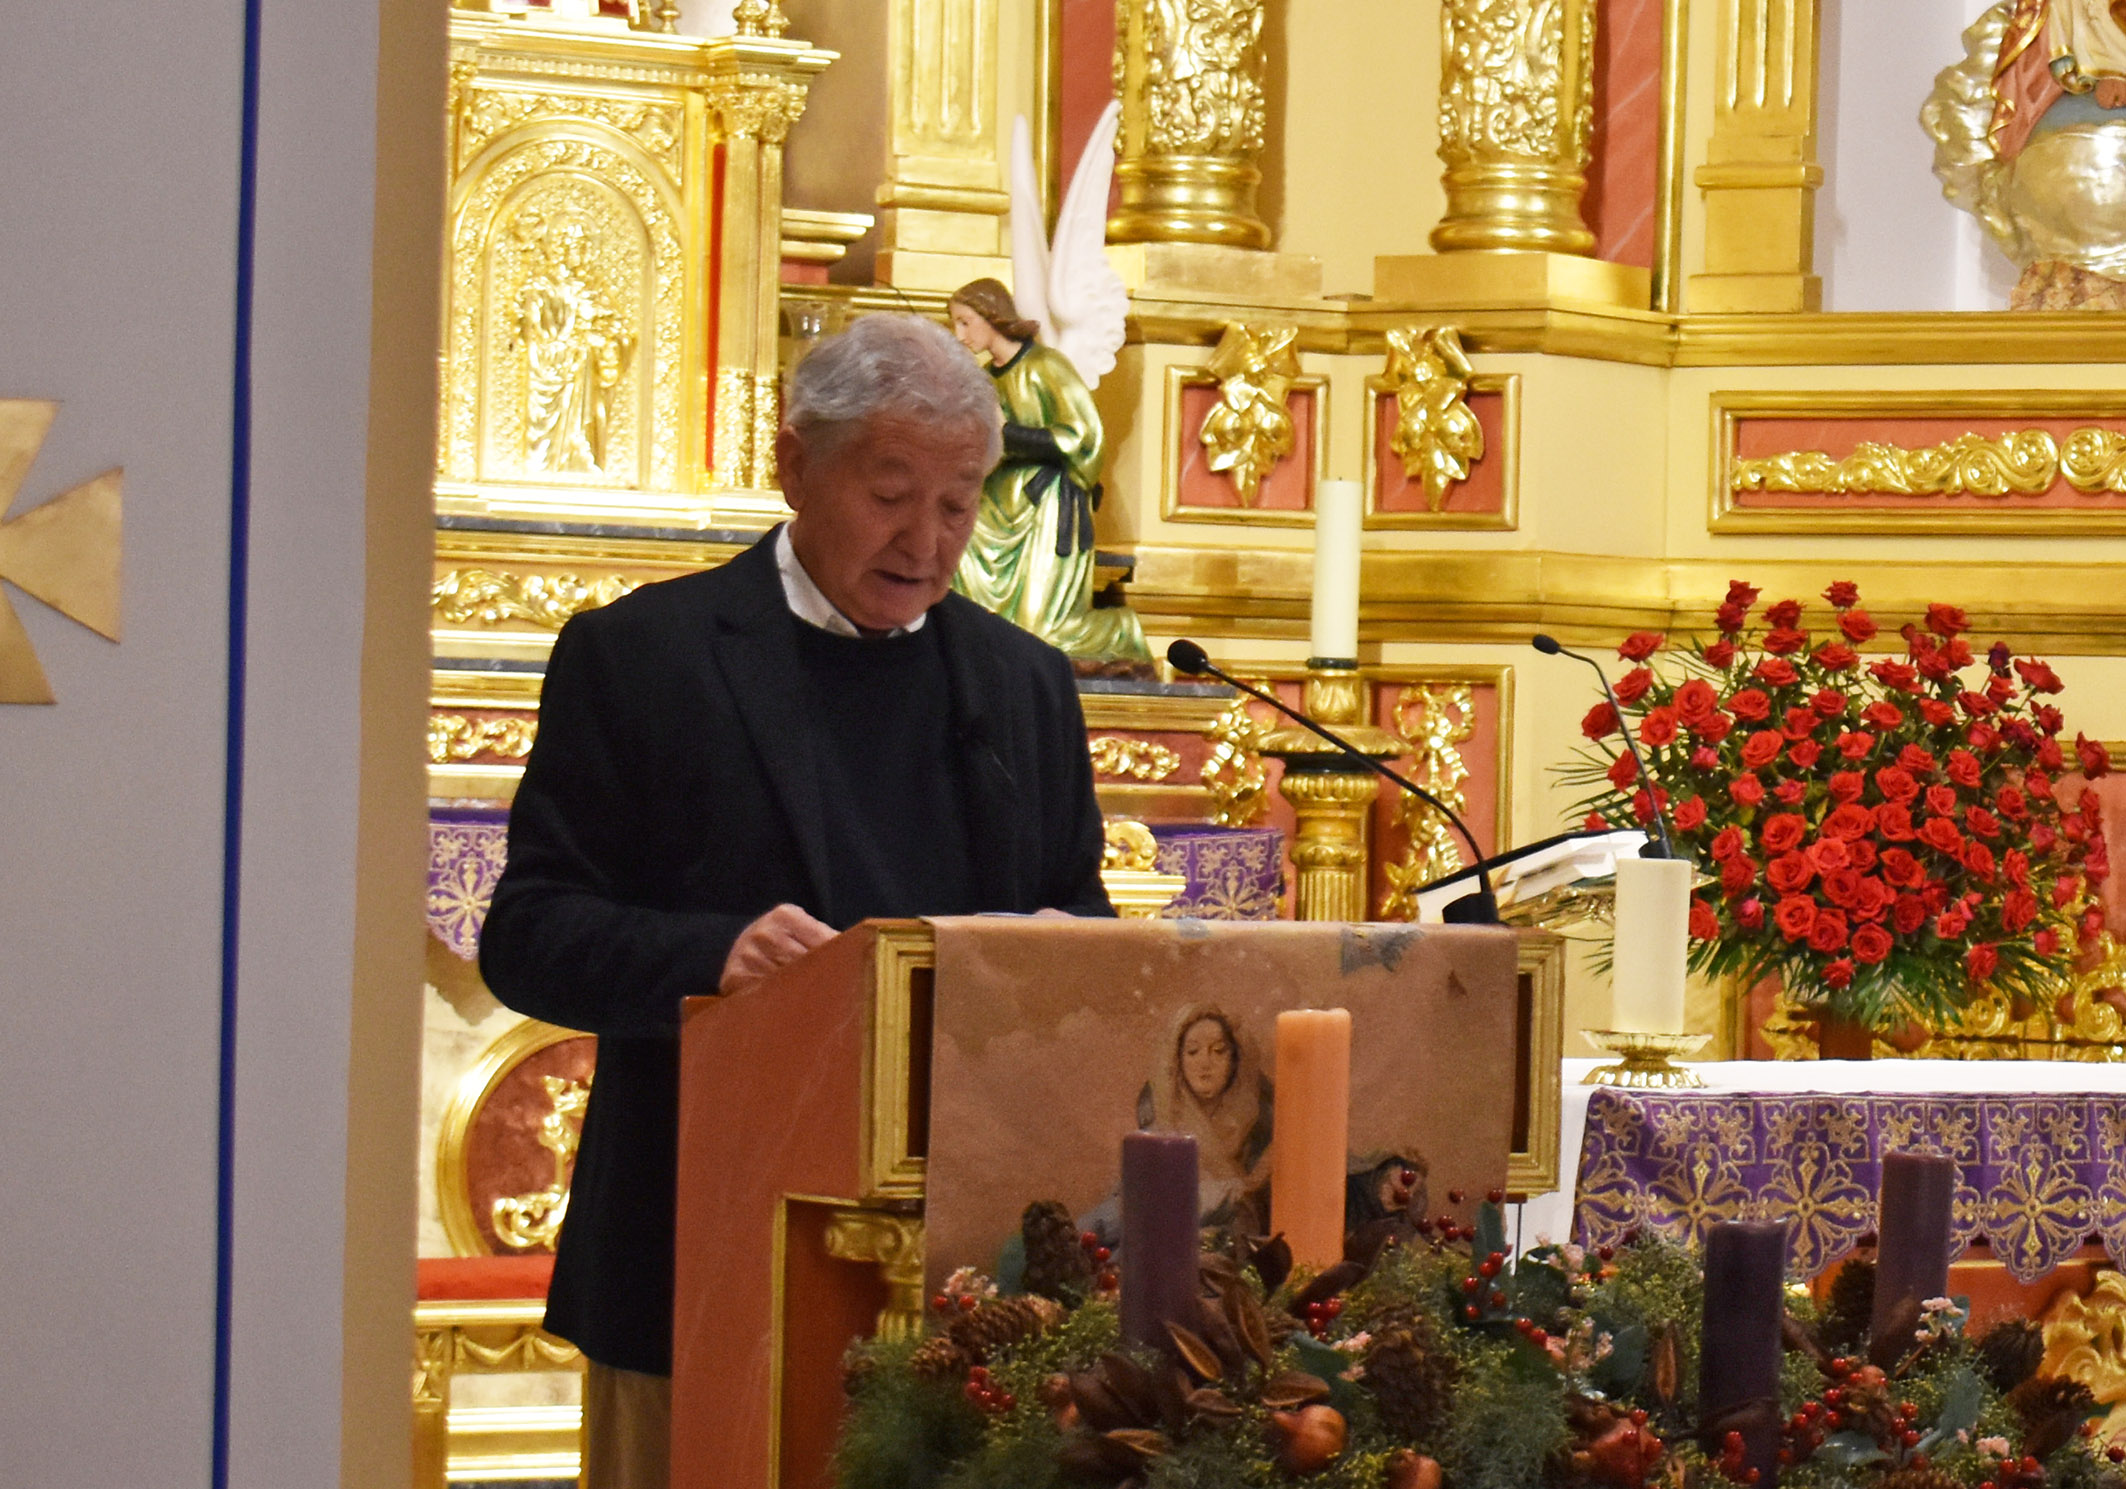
x=1480, y=908
x=1550, y=647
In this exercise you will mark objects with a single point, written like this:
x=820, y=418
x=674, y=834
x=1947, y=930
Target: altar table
x=2041, y=1148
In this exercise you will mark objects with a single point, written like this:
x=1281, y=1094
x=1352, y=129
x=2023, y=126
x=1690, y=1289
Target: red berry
x=1470, y=1312
x=1496, y=1196
x=1007, y=1401
x=1489, y=1266
x=1537, y=1336
x=1334, y=1307
x=1753, y=1476
x=1607, y=1253
x=2115, y=1453
x=968, y=1302
x=980, y=1373
x=941, y=1302
x=1472, y=1285
x=976, y=1391
x=1407, y=1178
x=1909, y=1438
x=1454, y=1196
x=1498, y=1299
x=2032, y=1466
x=1106, y=1280
x=1102, y=1254
x=1841, y=1367
x=1088, y=1239
x=1833, y=1397
x=1785, y=1458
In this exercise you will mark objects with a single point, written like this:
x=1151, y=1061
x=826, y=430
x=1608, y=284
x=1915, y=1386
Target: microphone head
x=1547, y=645
x=1187, y=658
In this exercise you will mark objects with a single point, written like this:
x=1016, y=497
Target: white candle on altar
x=1652, y=939
x=1338, y=516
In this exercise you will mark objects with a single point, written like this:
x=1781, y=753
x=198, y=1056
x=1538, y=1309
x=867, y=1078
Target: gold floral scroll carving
x=1250, y=428
x=1437, y=719
x=2026, y=462
x=483, y=597
x=1194, y=113
x=528, y=1221
x=1234, y=770
x=1136, y=759
x=1436, y=435
x=1516, y=113
x=454, y=737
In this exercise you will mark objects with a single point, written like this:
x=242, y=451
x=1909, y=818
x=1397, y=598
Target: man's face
x=883, y=517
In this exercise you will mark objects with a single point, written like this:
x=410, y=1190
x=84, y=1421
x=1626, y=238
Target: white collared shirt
x=812, y=607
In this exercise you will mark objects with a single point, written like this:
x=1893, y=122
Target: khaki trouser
x=627, y=1429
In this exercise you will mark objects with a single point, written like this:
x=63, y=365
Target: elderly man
x=734, y=765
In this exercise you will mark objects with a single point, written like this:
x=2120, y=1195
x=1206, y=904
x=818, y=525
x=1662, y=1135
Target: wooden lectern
x=803, y=1149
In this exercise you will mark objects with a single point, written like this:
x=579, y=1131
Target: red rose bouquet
x=1888, y=837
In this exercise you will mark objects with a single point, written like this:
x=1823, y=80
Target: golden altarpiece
x=1540, y=276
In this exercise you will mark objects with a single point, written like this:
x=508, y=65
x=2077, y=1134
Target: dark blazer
x=669, y=801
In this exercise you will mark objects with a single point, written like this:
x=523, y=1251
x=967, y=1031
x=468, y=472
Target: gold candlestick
x=1647, y=1063
x=1331, y=796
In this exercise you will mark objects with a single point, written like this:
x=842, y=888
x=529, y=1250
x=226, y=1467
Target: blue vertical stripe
x=233, y=780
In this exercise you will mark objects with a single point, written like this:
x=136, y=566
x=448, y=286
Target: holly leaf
x=1490, y=1230
x=1850, y=1450
x=1617, y=1374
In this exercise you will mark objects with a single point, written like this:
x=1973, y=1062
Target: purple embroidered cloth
x=2038, y=1175
x=466, y=849
x=1233, y=873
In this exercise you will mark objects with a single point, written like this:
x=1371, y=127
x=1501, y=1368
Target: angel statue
x=1031, y=558
x=2030, y=137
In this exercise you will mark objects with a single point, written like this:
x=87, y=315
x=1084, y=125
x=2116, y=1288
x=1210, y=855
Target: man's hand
x=775, y=940
x=2111, y=93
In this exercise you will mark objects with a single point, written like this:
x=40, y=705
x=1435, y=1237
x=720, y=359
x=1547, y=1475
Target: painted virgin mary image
x=1207, y=1082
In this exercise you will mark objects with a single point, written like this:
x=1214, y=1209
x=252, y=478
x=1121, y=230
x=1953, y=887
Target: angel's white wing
x=1088, y=309
x=1029, y=246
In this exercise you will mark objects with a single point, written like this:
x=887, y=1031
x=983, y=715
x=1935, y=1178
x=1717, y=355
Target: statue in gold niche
x=2030, y=137
x=575, y=355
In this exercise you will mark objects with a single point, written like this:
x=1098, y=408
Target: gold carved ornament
x=1203, y=67
x=1436, y=433
x=1437, y=719
x=576, y=352
x=894, y=1244
x=2085, y=1342
x=2026, y=461
x=1130, y=846
x=759, y=18
x=529, y=1221
x=66, y=552
x=453, y=737
x=485, y=113
x=1234, y=771
x=1134, y=759
x=757, y=106
x=1249, y=429
x=483, y=597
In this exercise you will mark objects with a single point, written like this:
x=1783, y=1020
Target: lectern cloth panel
x=1053, y=1040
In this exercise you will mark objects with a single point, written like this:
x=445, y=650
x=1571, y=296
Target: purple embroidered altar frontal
x=2038, y=1174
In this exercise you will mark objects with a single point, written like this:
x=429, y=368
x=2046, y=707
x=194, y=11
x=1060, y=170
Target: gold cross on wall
x=65, y=552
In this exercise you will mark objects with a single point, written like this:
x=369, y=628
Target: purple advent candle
x=1912, y=1248
x=1159, y=1235
x=1739, y=1356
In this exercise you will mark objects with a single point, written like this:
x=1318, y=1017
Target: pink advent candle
x=1312, y=1133
x=1160, y=1238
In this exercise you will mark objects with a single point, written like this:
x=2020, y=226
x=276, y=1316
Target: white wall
x=119, y=237
x=1885, y=237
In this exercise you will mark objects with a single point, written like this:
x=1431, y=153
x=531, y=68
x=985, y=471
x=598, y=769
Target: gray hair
x=890, y=364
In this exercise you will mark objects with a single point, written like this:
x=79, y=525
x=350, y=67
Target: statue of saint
x=1031, y=559
x=574, y=355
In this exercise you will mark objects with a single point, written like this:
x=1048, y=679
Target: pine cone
x=2010, y=1352
x=1411, y=1377
x=1001, y=1322
x=1849, y=1307
x=938, y=1358
x=1056, y=1264
x=1868, y=1407
x=2051, y=1410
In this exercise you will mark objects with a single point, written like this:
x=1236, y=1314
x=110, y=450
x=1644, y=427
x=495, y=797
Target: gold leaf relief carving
x=527, y=1221
x=1130, y=846
x=2094, y=460
x=1249, y=429
x=454, y=737
x=482, y=597
x=1437, y=435
x=1502, y=81
x=757, y=107
x=2026, y=462
x=1234, y=770
x=1204, y=69
x=1437, y=719
x=1135, y=759
x=487, y=113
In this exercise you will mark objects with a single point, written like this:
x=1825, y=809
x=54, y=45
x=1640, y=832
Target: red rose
x=1644, y=807
x=1855, y=746
x=1836, y=657
x=1894, y=675
x=1839, y=974
x=1736, y=875
x=1999, y=690
x=1847, y=785
x=1720, y=654
x=1915, y=759
x=1896, y=783
x=1871, y=943
x=1658, y=727
x=1828, y=854
x=1727, y=842
x=1940, y=834
x=1795, y=916
x=1784, y=614
x=1601, y=720
x=1957, y=654
x=1790, y=873
x=1928, y=658
x=1936, y=712
x=2038, y=784
x=1640, y=645
x=1978, y=858
x=2064, y=889
x=1798, y=723
x=1762, y=748
x=1741, y=594
x=1963, y=767
x=1842, y=888
x=1696, y=701
x=1983, y=739
x=2018, y=910
x=2046, y=942
x=2039, y=677
x=2048, y=755
x=1777, y=671
x=1746, y=791
x=1981, y=823
x=1623, y=772
x=2015, y=863
x=1691, y=815
x=1750, y=914
x=1902, y=869
x=2049, y=719
x=1844, y=594
x=1978, y=705
x=2092, y=925
x=1829, y=931
x=1781, y=833
x=1934, y=894
x=1791, y=792
x=1858, y=626
x=1731, y=618
x=1784, y=643
x=1750, y=705
x=1704, y=924
x=1952, y=922
x=1883, y=714
x=1805, y=753
x=2042, y=838
x=1946, y=620
x=1908, y=914
x=1941, y=800
x=1594, y=822
x=1894, y=822
x=1871, y=899
x=2096, y=761
x=1716, y=728
x=1862, y=852
x=1980, y=961
x=1849, y=821
x=1829, y=703
x=1632, y=686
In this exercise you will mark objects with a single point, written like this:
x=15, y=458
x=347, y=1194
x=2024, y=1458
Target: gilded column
x=756, y=92
x=894, y=1244
x=943, y=199
x=1330, y=797
x=1516, y=109
x=1190, y=77
x=1760, y=174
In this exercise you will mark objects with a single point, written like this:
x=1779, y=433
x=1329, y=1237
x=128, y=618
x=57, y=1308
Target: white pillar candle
x=1652, y=938
x=1338, y=516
